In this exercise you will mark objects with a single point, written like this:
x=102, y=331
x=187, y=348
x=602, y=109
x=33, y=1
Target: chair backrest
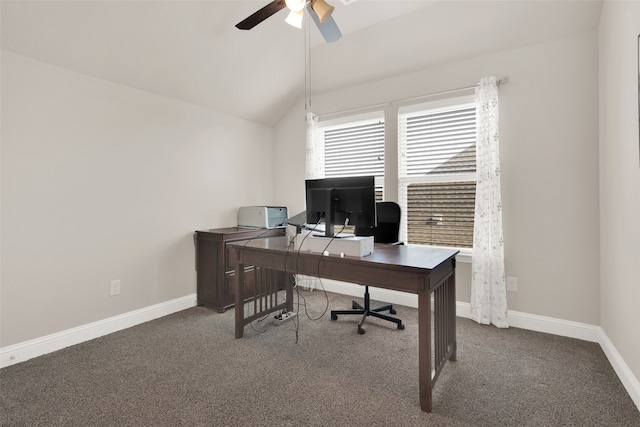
x=388, y=227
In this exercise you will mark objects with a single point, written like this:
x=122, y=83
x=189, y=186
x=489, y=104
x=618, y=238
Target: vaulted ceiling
x=191, y=51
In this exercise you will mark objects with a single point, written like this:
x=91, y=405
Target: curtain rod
x=502, y=81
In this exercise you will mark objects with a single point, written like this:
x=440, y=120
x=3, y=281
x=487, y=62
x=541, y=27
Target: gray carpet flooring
x=187, y=369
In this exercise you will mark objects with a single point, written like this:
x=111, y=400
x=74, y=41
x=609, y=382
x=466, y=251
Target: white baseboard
x=21, y=352
x=630, y=382
x=548, y=325
x=516, y=319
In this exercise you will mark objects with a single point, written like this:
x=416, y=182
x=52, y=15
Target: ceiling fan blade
x=261, y=15
x=329, y=29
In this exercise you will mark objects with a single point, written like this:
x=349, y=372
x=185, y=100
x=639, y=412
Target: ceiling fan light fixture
x=295, y=19
x=322, y=9
x=295, y=5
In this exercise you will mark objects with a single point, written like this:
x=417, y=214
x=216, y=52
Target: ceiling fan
x=319, y=11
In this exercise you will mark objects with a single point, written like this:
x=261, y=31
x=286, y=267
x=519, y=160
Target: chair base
x=366, y=311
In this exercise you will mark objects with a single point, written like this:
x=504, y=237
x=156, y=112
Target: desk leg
x=451, y=289
x=424, y=346
x=239, y=307
x=289, y=283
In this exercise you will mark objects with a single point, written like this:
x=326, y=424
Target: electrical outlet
x=512, y=284
x=115, y=288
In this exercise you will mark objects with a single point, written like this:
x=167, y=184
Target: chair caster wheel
x=361, y=330
x=400, y=326
x=392, y=311
x=334, y=316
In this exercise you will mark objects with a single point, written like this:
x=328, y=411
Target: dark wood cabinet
x=215, y=266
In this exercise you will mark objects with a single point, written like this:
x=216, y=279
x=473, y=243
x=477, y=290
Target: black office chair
x=386, y=231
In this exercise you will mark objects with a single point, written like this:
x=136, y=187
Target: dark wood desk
x=415, y=269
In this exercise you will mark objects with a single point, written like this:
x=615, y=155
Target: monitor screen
x=334, y=200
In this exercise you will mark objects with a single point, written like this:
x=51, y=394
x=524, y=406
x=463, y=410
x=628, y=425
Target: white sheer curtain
x=314, y=168
x=488, y=282
x=315, y=150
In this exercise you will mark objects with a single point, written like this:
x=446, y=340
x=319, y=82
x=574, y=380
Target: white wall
x=620, y=179
x=549, y=150
x=102, y=182
x=290, y=149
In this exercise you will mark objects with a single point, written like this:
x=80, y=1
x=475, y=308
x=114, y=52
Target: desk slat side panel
x=444, y=337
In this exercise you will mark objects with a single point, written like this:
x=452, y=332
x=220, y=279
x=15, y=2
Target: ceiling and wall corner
x=191, y=51
x=445, y=32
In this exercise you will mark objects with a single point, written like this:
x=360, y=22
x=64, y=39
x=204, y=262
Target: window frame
x=404, y=179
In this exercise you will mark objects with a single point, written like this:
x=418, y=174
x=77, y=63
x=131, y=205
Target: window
x=437, y=172
x=436, y=177
x=354, y=147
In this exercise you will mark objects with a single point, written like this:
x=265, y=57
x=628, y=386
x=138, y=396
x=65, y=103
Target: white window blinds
x=354, y=149
x=439, y=141
x=353, y=146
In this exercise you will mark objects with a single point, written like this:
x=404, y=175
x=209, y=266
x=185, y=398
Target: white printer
x=263, y=216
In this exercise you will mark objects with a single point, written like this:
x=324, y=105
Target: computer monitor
x=333, y=200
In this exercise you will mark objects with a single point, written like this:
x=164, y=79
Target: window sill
x=465, y=255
